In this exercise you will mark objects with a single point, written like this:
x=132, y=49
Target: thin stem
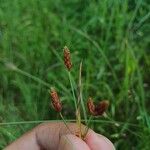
x=14, y=68
x=87, y=127
x=65, y=122
x=78, y=115
x=81, y=97
x=33, y=77
x=78, y=119
x=72, y=89
x=116, y=123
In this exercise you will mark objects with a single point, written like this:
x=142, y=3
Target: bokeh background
x=111, y=37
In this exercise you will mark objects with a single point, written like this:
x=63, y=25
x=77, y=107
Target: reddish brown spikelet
x=102, y=107
x=67, y=58
x=91, y=106
x=97, y=110
x=55, y=100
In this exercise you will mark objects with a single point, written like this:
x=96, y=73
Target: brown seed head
x=67, y=58
x=97, y=110
x=91, y=106
x=102, y=107
x=55, y=100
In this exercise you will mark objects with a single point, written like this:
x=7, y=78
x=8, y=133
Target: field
x=111, y=39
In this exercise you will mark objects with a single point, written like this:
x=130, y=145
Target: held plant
x=94, y=109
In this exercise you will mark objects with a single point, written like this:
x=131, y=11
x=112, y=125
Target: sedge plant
x=94, y=109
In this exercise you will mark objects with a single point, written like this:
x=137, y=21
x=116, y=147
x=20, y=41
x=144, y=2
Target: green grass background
x=111, y=37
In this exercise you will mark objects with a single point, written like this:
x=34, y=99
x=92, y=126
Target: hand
x=55, y=136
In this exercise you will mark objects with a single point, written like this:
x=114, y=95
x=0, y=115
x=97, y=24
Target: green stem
x=87, y=127
x=65, y=122
x=32, y=77
x=80, y=94
x=72, y=89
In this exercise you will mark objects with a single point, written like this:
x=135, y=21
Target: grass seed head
x=55, y=100
x=97, y=110
x=102, y=107
x=67, y=58
x=91, y=106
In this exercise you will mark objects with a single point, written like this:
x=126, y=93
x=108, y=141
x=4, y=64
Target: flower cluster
x=55, y=100
x=97, y=110
x=67, y=58
x=94, y=109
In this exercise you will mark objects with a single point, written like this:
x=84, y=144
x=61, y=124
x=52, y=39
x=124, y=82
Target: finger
x=27, y=141
x=48, y=135
x=98, y=142
x=44, y=136
x=71, y=142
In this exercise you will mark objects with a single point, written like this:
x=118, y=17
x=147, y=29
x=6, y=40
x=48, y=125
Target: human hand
x=55, y=136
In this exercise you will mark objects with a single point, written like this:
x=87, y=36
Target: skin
x=55, y=136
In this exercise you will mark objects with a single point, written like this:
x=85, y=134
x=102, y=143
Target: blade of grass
x=16, y=69
x=78, y=113
x=24, y=73
x=99, y=49
x=72, y=120
x=80, y=99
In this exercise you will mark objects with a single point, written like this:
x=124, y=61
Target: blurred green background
x=110, y=37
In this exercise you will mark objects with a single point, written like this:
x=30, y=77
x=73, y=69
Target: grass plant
x=111, y=38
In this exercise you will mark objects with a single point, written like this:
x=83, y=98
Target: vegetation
x=111, y=38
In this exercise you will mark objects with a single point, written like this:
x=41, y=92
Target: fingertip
x=98, y=142
x=71, y=142
x=106, y=141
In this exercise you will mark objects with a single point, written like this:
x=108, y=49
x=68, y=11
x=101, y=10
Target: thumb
x=96, y=141
x=71, y=142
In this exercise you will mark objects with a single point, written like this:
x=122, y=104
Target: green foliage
x=111, y=37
